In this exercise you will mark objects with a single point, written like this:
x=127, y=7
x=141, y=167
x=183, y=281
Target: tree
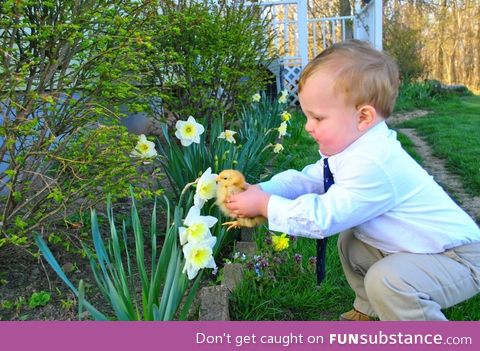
x=66, y=68
x=446, y=33
x=402, y=42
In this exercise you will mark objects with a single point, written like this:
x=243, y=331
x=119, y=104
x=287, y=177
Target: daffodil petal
x=183, y=235
x=210, y=221
x=198, y=201
x=192, y=215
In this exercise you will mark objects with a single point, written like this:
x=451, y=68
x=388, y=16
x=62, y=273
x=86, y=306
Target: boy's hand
x=250, y=203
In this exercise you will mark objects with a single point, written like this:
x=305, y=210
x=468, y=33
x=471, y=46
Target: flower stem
x=185, y=189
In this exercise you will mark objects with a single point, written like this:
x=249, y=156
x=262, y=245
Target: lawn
x=452, y=131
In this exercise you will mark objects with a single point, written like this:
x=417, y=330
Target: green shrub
x=100, y=162
x=73, y=176
x=208, y=58
x=403, y=43
x=424, y=94
x=66, y=69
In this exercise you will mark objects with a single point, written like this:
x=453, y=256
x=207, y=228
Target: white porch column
x=369, y=22
x=378, y=21
x=303, y=31
x=359, y=31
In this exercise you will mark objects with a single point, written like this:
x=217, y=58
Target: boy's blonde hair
x=364, y=75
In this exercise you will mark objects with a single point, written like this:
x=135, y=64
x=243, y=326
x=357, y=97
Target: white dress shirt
x=394, y=204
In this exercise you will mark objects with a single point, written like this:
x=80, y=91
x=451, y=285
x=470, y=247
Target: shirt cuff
x=282, y=218
x=268, y=187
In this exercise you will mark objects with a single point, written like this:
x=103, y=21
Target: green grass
x=293, y=294
x=452, y=131
x=409, y=146
x=300, y=148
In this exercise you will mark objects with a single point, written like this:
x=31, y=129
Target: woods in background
x=438, y=39
x=431, y=39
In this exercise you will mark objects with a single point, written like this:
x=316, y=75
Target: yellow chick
x=232, y=182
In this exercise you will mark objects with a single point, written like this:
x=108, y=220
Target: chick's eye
x=225, y=178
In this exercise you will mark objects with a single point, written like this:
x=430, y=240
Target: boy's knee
x=381, y=281
x=378, y=282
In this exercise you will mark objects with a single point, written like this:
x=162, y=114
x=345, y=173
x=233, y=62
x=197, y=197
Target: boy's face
x=330, y=120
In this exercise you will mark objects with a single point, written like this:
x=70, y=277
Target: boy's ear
x=367, y=116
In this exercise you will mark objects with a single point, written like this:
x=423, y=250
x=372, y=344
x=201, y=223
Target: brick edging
x=214, y=302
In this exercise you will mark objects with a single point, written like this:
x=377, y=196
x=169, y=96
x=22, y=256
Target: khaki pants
x=407, y=286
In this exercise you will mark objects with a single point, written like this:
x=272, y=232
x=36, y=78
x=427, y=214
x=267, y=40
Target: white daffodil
x=282, y=130
x=206, y=188
x=228, y=136
x=286, y=116
x=277, y=148
x=189, y=131
x=283, y=97
x=197, y=227
x=256, y=97
x=199, y=255
x=144, y=148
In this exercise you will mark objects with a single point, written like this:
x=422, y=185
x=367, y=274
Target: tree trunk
x=439, y=68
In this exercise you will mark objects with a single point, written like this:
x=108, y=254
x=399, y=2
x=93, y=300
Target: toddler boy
x=406, y=248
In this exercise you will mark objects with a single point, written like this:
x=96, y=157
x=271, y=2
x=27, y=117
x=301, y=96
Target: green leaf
x=39, y=299
x=56, y=267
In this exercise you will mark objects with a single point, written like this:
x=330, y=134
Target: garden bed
x=22, y=275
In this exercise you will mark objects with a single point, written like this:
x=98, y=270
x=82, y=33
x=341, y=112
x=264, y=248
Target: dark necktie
x=322, y=243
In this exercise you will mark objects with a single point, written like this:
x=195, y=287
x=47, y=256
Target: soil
x=22, y=274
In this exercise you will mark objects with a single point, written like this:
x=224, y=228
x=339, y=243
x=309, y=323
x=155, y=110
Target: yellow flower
x=228, y=136
x=198, y=255
x=196, y=226
x=256, y=97
x=282, y=130
x=286, y=116
x=189, y=131
x=277, y=148
x=206, y=188
x=144, y=148
x=280, y=242
x=196, y=231
x=283, y=97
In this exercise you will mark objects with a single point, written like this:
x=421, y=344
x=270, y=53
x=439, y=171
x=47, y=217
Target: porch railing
x=298, y=38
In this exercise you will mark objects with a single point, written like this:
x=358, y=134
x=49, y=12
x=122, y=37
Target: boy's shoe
x=354, y=315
